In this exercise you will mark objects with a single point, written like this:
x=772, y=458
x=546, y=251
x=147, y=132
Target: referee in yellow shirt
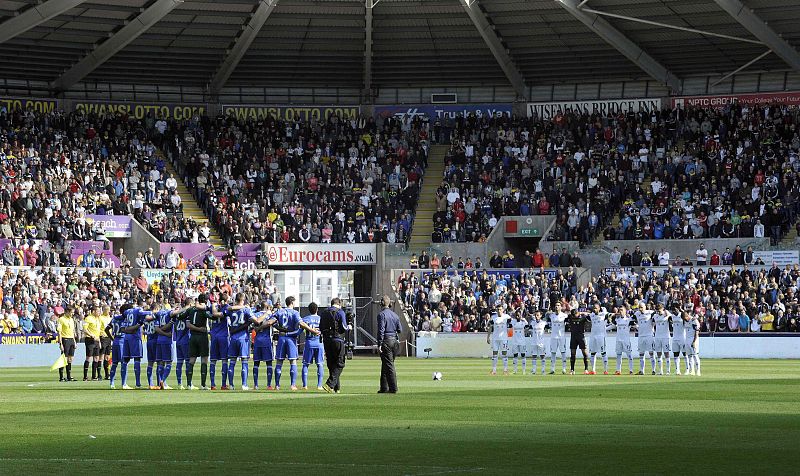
x=66, y=342
x=105, y=341
x=93, y=330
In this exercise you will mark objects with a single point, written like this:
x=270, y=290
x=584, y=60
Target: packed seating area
x=696, y=173
x=32, y=299
x=340, y=180
x=736, y=300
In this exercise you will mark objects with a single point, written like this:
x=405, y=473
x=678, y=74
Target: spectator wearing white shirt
x=702, y=255
x=663, y=257
x=758, y=229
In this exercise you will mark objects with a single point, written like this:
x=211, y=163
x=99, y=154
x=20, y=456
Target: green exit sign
x=529, y=231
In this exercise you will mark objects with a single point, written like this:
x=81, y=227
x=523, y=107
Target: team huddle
x=271, y=329
x=661, y=334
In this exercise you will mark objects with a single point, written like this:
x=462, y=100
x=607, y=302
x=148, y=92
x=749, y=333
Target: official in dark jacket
x=388, y=345
x=333, y=326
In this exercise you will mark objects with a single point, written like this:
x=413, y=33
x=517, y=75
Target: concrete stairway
x=190, y=207
x=423, y=220
x=598, y=240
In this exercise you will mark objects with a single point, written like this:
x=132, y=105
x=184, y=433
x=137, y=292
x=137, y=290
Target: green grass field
x=740, y=417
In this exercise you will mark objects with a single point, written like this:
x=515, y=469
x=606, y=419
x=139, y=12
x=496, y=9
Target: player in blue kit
x=114, y=332
x=149, y=331
x=180, y=335
x=313, y=351
x=288, y=325
x=134, y=318
x=239, y=318
x=219, y=345
x=164, y=325
x=262, y=347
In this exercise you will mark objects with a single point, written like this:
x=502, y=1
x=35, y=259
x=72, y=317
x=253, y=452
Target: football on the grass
x=437, y=375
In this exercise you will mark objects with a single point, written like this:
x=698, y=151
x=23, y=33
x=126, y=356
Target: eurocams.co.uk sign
x=288, y=113
x=279, y=254
x=549, y=110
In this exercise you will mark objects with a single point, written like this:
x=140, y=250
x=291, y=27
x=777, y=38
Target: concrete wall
x=720, y=346
x=141, y=239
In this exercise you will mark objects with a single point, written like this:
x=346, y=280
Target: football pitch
x=741, y=416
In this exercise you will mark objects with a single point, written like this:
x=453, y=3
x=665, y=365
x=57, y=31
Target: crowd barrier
x=717, y=346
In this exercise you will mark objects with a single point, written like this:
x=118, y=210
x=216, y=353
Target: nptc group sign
x=287, y=254
x=718, y=101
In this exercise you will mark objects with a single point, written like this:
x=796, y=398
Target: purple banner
x=195, y=252
x=78, y=253
x=116, y=226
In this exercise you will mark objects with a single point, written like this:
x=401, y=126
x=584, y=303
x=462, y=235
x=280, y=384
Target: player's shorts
x=313, y=354
x=519, y=349
x=92, y=347
x=239, y=347
x=105, y=346
x=577, y=340
x=263, y=354
x=164, y=352
x=536, y=346
x=623, y=347
x=597, y=344
x=678, y=345
x=558, y=345
x=198, y=345
x=645, y=344
x=116, y=351
x=286, y=348
x=132, y=348
x=661, y=344
x=690, y=350
x=182, y=351
x=219, y=347
x=152, y=349
x=69, y=347
x=500, y=345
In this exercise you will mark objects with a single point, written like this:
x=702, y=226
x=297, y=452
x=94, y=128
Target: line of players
x=230, y=325
x=520, y=337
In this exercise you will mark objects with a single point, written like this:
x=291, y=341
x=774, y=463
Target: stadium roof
x=308, y=43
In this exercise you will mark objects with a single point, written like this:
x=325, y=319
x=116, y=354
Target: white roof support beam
x=113, y=45
x=496, y=46
x=34, y=16
x=624, y=45
x=755, y=25
x=242, y=44
x=367, y=83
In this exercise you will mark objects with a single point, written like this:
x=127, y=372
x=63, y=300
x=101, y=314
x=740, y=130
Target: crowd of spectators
x=738, y=299
x=668, y=174
x=33, y=299
x=507, y=260
x=338, y=180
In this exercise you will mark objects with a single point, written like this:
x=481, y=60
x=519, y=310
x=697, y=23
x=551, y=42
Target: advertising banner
x=153, y=275
x=548, y=110
x=718, y=101
x=19, y=339
x=140, y=110
x=116, y=226
x=288, y=254
x=441, y=111
x=288, y=113
x=778, y=257
x=195, y=252
x=38, y=105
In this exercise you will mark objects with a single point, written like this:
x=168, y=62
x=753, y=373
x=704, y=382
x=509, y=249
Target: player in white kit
x=623, y=323
x=519, y=346
x=499, y=327
x=597, y=337
x=558, y=339
x=661, y=344
x=679, y=342
x=644, y=324
x=692, y=325
x=537, y=346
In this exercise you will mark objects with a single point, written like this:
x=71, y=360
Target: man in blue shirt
x=114, y=332
x=388, y=345
x=333, y=325
x=149, y=330
x=313, y=352
x=262, y=348
x=165, y=322
x=287, y=326
x=134, y=318
x=181, y=336
x=239, y=318
x=219, y=345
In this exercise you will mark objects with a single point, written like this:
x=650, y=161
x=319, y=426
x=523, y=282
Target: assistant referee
x=66, y=342
x=388, y=345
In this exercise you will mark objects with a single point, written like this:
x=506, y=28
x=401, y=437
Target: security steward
x=388, y=345
x=333, y=326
